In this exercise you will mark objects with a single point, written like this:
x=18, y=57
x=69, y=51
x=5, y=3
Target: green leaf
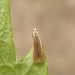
x=7, y=70
x=26, y=66
x=7, y=49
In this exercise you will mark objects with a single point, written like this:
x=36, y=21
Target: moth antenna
x=31, y=23
x=38, y=9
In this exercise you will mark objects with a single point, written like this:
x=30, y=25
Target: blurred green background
x=55, y=22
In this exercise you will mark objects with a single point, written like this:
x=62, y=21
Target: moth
x=38, y=55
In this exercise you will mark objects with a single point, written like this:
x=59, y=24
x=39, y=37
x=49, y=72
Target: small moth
x=38, y=55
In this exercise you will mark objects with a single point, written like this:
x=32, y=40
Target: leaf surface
x=26, y=66
x=7, y=49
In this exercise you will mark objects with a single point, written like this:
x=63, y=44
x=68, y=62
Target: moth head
x=35, y=33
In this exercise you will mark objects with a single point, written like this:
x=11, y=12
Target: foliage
x=8, y=65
